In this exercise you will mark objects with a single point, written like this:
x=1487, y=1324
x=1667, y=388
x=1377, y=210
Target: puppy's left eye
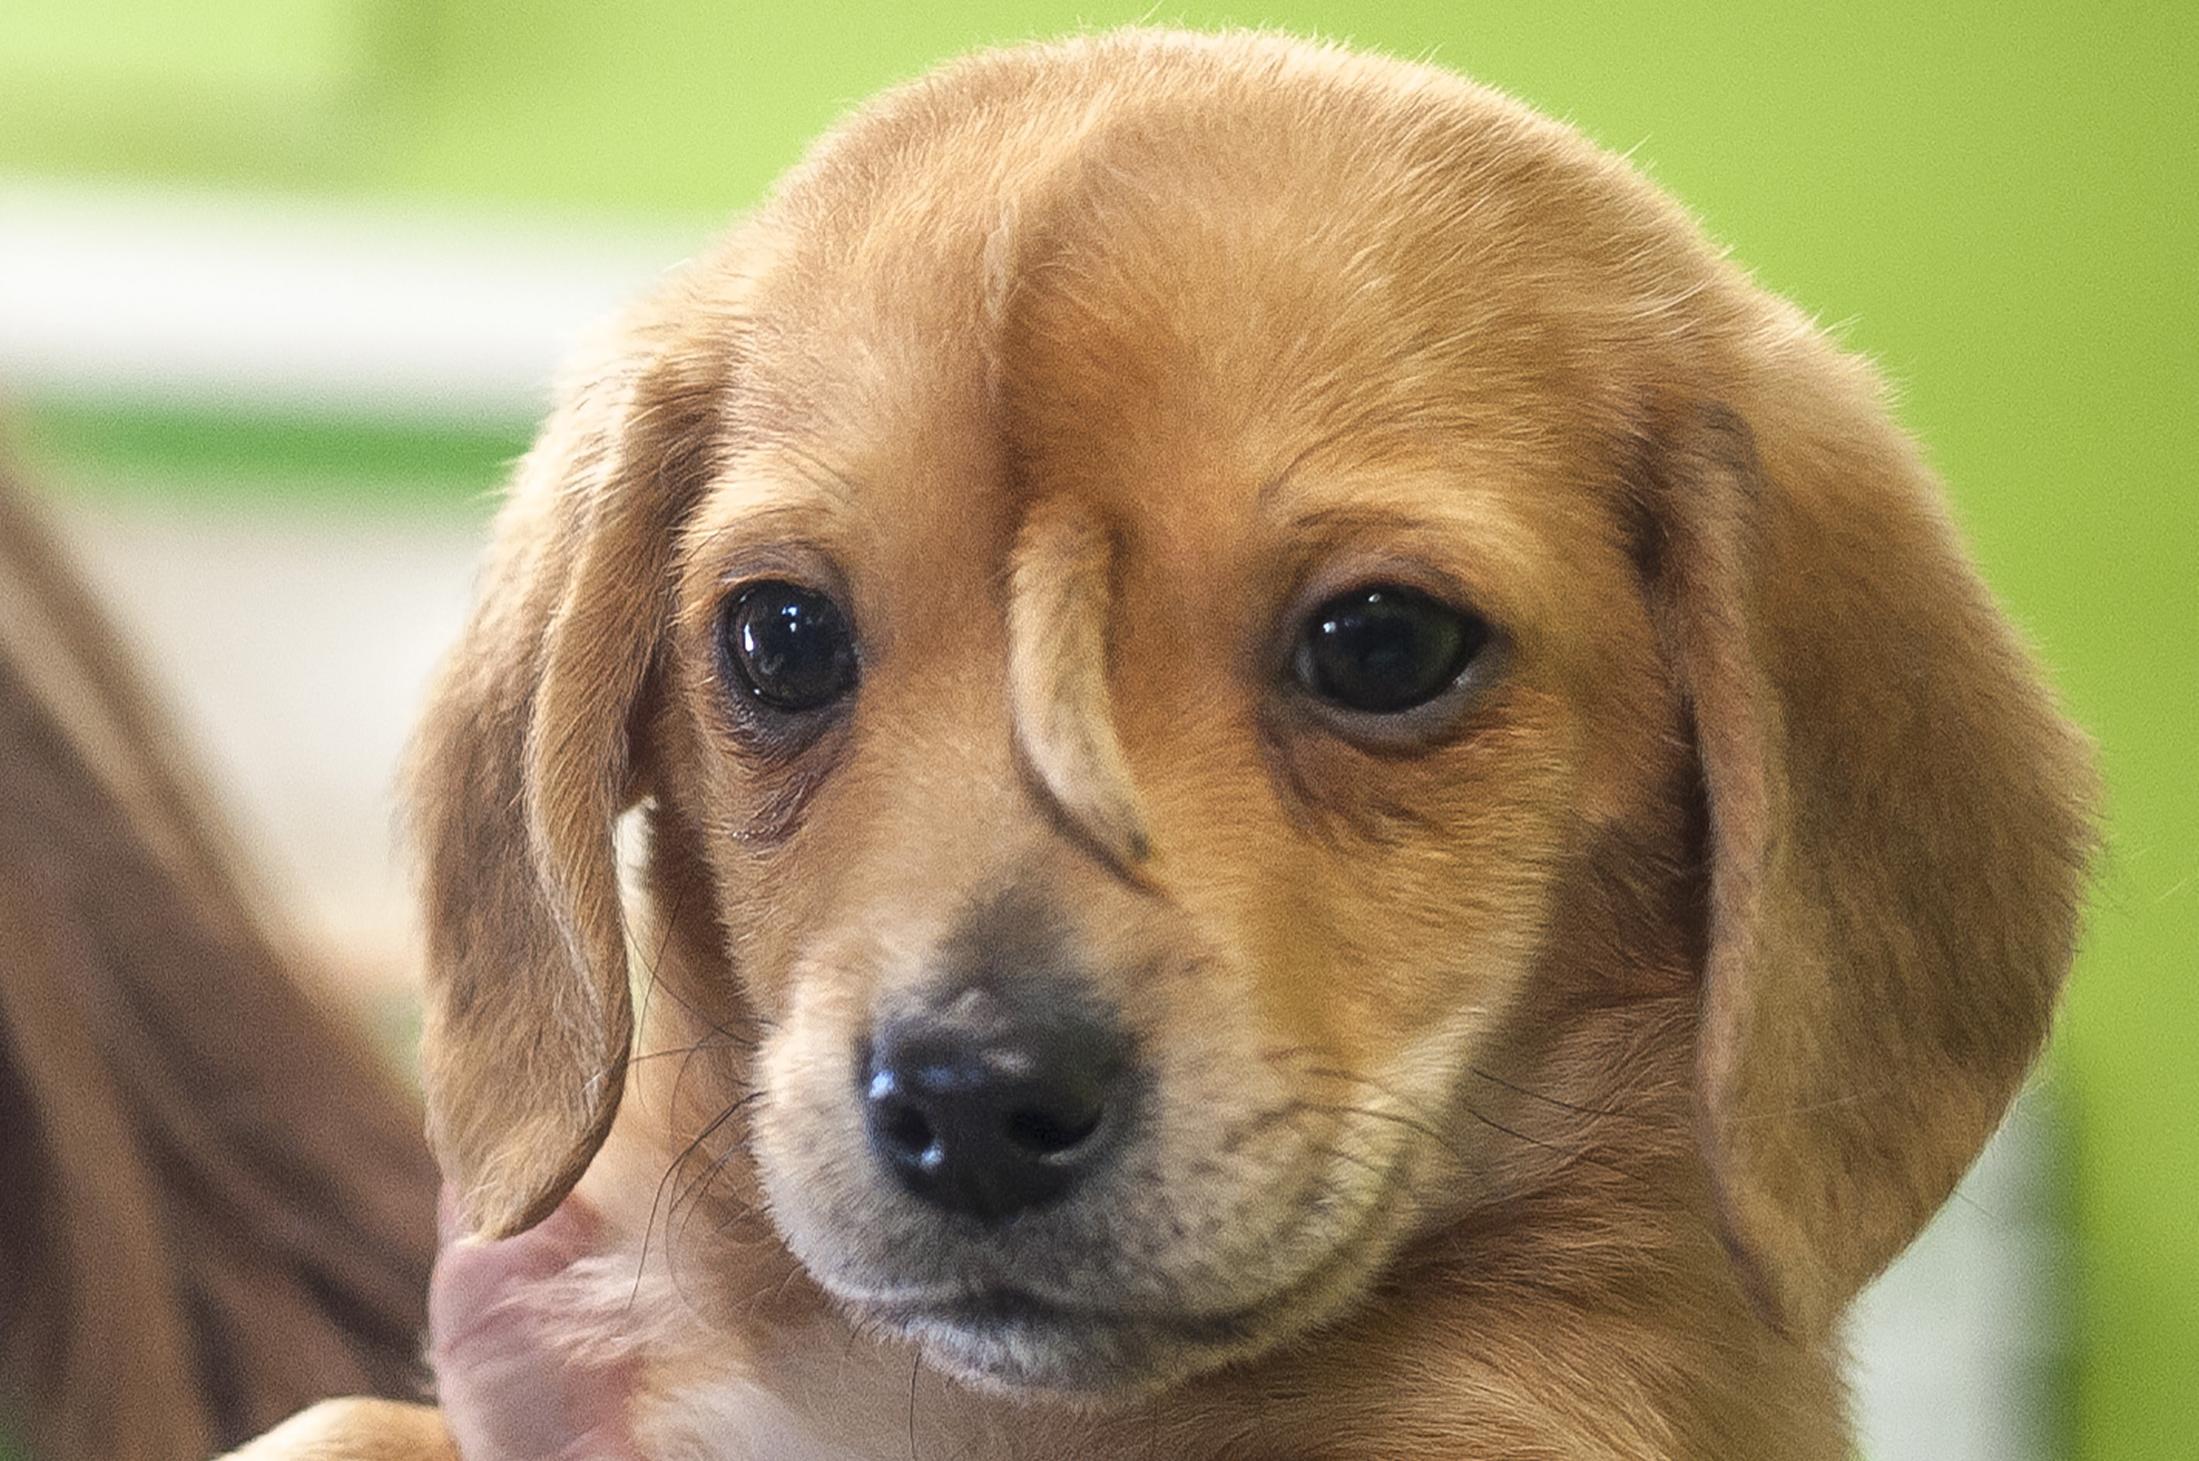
x=790, y=647
x=1383, y=650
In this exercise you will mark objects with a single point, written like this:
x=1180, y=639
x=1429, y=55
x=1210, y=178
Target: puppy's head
x=1195, y=613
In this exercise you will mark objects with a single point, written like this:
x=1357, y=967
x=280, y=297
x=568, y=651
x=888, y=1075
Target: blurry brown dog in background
x=215, y=1205
x=1310, y=787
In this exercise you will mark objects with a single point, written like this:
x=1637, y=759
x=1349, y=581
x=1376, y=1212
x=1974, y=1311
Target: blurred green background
x=1995, y=201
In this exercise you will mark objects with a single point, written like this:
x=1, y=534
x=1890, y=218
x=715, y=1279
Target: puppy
x=1308, y=787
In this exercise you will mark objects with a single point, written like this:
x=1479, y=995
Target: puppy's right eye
x=791, y=648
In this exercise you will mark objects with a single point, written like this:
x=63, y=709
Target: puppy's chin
x=1007, y=1342
x=1010, y=1343
x=1005, y=1339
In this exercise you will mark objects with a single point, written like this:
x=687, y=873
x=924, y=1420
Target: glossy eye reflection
x=790, y=647
x=1383, y=650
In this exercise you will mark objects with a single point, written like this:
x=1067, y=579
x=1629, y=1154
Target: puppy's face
x=1195, y=614
x=1140, y=700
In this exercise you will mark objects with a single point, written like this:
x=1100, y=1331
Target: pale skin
x=505, y=1389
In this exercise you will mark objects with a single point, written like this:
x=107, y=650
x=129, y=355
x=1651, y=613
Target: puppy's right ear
x=523, y=766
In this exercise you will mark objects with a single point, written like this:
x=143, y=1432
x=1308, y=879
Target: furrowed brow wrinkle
x=1060, y=593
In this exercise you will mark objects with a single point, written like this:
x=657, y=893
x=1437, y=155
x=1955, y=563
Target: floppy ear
x=523, y=765
x=1899, y=821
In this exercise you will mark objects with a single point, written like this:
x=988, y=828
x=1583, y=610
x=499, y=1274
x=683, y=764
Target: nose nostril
x=1050, y=1133
x=907, y=1129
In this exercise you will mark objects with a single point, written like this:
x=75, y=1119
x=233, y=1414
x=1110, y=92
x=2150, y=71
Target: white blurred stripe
x=1960, y=1348
x=181, y=298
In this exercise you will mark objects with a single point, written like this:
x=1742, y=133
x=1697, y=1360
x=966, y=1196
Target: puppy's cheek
x=811, y=1153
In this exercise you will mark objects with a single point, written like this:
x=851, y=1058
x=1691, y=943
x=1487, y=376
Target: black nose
x=992, y=1107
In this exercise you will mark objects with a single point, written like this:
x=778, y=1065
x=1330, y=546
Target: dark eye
x=1384, y=650
x=790, y=647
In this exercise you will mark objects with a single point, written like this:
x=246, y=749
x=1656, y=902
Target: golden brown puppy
x=1310, y=787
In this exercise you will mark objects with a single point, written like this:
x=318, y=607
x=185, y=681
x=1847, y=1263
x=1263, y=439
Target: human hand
x=511, y=1388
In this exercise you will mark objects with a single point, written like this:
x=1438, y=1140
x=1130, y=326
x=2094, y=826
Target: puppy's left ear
x=1899, y=823
x=524, y=763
